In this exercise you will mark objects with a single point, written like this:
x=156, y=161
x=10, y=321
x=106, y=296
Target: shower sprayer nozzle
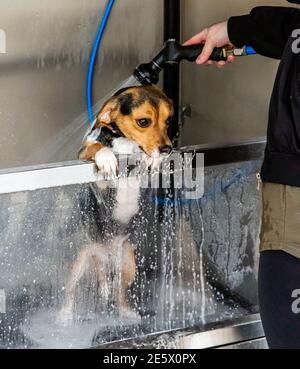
x=172, y=53
x=147, y=74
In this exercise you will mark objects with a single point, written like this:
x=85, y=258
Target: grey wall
x=232, y=104
x=42, y=76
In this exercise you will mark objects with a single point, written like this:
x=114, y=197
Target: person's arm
x=266, y=29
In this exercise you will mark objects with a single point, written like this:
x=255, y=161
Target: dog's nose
x=165, y=149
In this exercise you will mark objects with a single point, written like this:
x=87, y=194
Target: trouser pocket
x=273, y=214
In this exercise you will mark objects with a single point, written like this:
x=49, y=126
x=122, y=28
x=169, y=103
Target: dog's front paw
x=106, y=162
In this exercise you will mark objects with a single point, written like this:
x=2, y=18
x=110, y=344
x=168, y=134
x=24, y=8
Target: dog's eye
x=144, y=123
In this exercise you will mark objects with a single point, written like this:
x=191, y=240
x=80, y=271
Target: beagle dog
x=135, y=120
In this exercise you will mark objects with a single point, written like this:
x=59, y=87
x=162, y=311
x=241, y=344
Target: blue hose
x=89, y=86
x=93, y=57
x=250, y=51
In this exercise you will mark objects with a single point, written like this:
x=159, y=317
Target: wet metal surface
x=195, y=260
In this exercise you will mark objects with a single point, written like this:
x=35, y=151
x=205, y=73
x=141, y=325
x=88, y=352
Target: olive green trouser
x=281, y=219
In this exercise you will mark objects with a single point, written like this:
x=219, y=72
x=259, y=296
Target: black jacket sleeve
x=266, y=29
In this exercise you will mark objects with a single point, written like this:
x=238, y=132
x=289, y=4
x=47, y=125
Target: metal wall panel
x=228, y=105
x=43, y=73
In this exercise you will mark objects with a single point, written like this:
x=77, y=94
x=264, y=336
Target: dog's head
x=141, y=114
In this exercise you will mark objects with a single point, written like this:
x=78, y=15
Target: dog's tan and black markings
x=139, y=114
x=135, y=118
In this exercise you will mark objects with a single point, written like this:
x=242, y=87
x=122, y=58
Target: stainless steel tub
x=196, y=260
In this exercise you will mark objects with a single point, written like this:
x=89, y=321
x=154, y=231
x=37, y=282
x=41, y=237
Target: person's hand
x=214, y=36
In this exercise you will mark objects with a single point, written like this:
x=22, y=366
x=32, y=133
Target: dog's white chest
x=124, y=146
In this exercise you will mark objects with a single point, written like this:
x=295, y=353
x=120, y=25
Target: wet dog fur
x=134, y=120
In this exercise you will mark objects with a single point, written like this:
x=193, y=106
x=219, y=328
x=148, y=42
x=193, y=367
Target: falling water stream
x=202, y=273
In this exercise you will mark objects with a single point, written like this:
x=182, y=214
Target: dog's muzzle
x=165, y=150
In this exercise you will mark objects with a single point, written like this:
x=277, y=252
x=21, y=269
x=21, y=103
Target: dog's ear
x=108, y=112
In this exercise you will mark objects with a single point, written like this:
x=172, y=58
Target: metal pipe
x=171, y=82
